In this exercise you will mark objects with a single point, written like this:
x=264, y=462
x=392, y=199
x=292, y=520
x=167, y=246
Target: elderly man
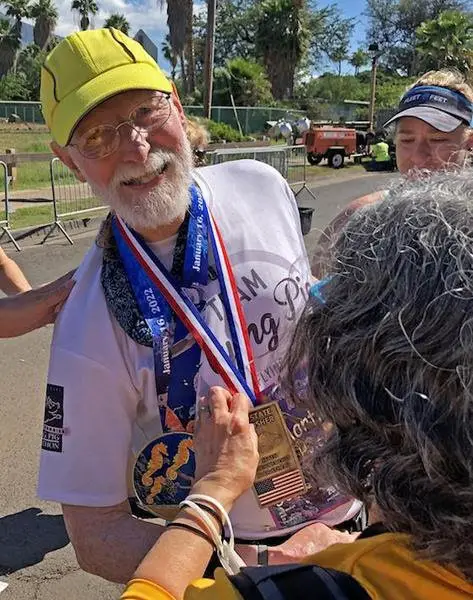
x=196, y=280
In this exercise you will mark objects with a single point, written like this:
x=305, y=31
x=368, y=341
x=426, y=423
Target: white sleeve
x=89, y=413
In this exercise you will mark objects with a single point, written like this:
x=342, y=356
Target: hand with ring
x=226, y=447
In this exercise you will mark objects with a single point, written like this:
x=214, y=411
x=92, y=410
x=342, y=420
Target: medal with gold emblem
x=163, y=474
x=164, y=470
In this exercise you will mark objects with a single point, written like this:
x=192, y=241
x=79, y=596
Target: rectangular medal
x=279, y=475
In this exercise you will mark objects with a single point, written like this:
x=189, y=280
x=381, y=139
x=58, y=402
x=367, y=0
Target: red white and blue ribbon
x=240, y=377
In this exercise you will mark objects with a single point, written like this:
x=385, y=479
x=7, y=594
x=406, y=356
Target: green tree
x=446, y=41
x=289, y=37
x=17, y=10
x=13, y=87
x=245, y=80
x=45, y=14
x=9, y=46
x=25, y=83
x=393, y=25
x=169, y=55
x=86, y=9
x=282, y=39
x=180, y=24
x=118, y=21
x=339, y=32
x=29, y=64
x=359, y=59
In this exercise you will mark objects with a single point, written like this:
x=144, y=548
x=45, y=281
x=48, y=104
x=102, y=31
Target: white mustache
x=155, y=162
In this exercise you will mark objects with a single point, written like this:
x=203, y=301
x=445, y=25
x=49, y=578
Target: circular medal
x=163, y=474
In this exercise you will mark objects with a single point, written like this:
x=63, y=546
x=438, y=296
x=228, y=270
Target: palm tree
x=9, y=46
x=18, y=10
x=169, y=56
x=282, y=39
x=46, y=15
x=86, y=9
x=118, y=21
x=180, y=20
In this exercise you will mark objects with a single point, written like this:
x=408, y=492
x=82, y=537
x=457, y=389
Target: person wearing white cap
x=433, y=132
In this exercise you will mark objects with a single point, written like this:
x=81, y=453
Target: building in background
x=147, y=44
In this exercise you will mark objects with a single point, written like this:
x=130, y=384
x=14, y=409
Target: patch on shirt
x=53, y=425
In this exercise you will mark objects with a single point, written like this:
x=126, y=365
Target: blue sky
x=146, y=15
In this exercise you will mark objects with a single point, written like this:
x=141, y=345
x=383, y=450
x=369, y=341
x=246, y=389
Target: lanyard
x=160, y=296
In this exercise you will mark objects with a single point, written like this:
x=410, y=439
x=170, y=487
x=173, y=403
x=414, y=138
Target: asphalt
x=36, y=559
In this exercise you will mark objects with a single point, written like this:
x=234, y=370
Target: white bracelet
x=229, y=559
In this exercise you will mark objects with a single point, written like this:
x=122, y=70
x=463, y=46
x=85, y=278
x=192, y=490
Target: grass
x=34, y=216
x=24, y=140
x=29, y=175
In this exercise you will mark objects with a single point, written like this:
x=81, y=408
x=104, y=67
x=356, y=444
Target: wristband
x=187, y=527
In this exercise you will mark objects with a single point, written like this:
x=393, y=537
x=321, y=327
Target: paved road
x=36, y=558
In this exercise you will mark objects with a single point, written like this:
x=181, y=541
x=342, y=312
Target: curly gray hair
x=389, y=354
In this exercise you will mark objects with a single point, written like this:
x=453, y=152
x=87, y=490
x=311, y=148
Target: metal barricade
x=297, y=170
x=275, y=156
x=289, y=161
x=5, y=218
x=70, y=197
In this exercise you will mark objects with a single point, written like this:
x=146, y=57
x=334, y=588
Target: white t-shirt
x=101, y=400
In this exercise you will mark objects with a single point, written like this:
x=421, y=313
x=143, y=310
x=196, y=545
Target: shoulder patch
x=53, y=425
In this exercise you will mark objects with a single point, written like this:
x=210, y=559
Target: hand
x=226, y=447
x=310, y=540
x=27, y=311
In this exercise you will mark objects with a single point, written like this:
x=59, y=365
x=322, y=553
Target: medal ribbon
x=238, y=378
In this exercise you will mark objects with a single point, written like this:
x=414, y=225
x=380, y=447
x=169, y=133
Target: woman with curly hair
x=387, y=343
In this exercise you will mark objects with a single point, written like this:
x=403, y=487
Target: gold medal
x=279, y=475
x=163, y=474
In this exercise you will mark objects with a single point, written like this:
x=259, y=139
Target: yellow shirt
x=380, y=152
x=383, y=564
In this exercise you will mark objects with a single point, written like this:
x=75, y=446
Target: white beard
x=162, y=205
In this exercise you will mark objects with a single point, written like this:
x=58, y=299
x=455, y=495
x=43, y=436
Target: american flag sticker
x=276, y=489
x=279, y=475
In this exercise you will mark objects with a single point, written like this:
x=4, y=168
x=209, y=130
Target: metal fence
x=5, y=217
x=70, y=197
x=289, y=161
x=29, y=112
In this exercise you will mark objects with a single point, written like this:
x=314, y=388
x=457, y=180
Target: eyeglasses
x=103, y=140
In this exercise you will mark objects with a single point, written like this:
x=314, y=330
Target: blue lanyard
x=155, y=309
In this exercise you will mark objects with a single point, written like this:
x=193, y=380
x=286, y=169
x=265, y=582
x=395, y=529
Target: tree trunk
x=281, y=75
x=41, y=33
x=190, y=46
x=84, y=22
x=17, y=32
x=183, y=73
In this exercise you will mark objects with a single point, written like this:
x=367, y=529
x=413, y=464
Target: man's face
x=146, y=178
x=421, y=146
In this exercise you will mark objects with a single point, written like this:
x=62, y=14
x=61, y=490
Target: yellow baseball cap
x=88, y=67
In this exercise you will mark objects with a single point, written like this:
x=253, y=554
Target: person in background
x=387, y=340
x=381, y=160
x=433, y=131
x=12, y=279
x=199, y=139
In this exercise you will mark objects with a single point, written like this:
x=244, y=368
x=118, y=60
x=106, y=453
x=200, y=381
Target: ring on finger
x=204, y=409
